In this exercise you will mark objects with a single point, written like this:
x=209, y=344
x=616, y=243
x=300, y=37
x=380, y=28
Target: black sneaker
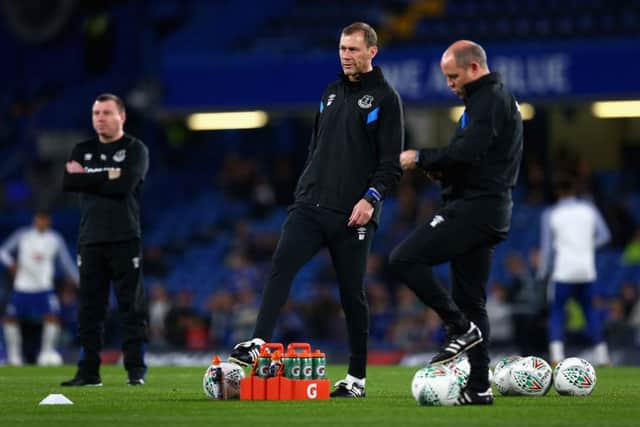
x=83, y=381
x=136, y=376
x=247, y=352
x=471, y=397
x=458, y=344
x=135, y=381
x=344, y=388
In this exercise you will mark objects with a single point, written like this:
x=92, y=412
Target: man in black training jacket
x=353, y=164
x=108, y=172
x=477, y=169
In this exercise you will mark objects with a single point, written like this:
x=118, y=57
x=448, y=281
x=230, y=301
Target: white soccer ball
x=503, y=363
x=49, y=358
x=574, y=377
x=502, y=375
x=531, y=376
x=461, y=368
x=232, y=375
x=435, y=386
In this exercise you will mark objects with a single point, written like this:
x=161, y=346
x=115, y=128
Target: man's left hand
x=361, y=214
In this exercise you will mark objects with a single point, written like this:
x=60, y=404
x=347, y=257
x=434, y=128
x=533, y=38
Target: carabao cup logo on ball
x=461, y=368
x=574, y=377
x=531, y=376
x=435, y=386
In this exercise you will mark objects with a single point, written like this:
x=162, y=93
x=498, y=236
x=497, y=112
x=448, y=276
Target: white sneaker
x=14, y=360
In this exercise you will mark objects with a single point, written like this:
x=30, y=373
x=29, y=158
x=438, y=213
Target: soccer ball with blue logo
x=574, y=377
x=530, y=376
x=435, y=386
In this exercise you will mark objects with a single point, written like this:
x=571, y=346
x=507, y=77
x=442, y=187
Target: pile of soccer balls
x=440, y=385
x=532, y=376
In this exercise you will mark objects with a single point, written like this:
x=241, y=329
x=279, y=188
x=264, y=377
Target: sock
x=601, y=354
x=355, y=380
x=556, y=351
x=50, y=334
x=13, y=340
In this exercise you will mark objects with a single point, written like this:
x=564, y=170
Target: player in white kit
x=33, y=297
x=571, y=231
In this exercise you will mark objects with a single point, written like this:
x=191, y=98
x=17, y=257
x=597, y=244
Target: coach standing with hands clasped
x=478, y=169
x=108, y=172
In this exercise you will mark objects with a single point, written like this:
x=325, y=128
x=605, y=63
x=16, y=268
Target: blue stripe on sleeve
x=373, y=116
x=463, y=120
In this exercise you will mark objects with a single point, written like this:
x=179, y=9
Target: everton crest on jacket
x=359, y=132
x=110, y=210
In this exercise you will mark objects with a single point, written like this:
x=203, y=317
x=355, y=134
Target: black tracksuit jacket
x=110, y=210
x=483, y=156
x=356, y=142
x=480, y=165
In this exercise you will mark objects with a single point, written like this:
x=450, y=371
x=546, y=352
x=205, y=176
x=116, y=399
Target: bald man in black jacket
x=477, y=170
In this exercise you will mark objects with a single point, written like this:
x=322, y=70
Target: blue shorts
x=33, y=305
x=583, y=294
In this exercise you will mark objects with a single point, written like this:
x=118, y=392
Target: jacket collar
x=372, y=78
x=486, y=80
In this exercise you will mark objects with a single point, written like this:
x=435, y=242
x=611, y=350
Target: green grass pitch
x=174, y=397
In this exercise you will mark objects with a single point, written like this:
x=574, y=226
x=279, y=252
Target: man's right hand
x=74, y=167
x=408, y=160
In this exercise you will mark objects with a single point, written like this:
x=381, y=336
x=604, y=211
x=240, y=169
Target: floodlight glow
x=616, y=109
x=228, y=120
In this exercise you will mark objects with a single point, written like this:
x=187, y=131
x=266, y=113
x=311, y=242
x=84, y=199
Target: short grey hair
x=370, y=36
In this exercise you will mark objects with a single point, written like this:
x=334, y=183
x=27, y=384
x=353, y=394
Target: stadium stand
x=205, y=230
